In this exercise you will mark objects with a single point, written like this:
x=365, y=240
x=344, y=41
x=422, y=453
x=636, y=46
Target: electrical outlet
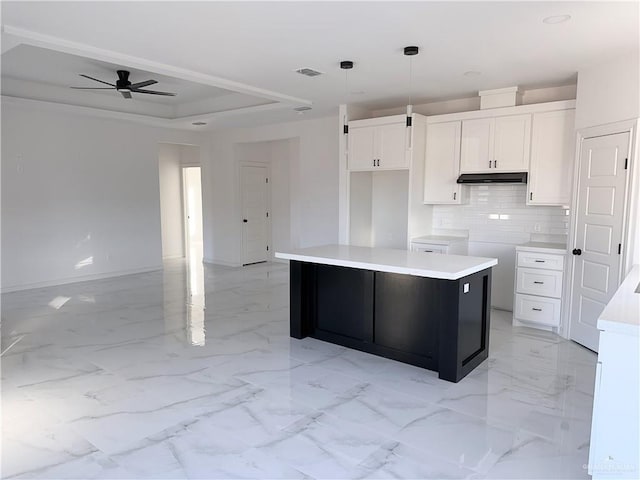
x=536, y=227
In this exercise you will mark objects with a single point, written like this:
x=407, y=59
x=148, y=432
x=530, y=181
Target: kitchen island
x=426, y=309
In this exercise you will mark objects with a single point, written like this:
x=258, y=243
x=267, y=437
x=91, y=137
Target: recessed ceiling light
x=472, y=73
x=552, y=20
x=198, y=124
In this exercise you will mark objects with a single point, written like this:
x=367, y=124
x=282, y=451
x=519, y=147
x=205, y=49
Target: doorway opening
x=192, y=202
x=180, y=201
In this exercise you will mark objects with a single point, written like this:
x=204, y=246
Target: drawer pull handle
x=537, y=309
x=539, y=261
x=539, y=283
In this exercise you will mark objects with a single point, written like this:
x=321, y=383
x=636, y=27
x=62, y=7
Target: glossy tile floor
x=132, y=378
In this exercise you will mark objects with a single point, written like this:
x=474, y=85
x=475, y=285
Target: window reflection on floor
x=195, y=297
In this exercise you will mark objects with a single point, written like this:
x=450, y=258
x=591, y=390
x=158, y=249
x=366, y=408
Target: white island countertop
x=622, y=313
x=419, y=264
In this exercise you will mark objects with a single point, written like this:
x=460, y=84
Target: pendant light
x=410, y=52
x=346, y=65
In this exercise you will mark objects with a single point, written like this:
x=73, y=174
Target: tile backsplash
x=498, y=213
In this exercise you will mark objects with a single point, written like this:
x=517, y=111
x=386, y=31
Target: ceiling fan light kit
x=124, y=86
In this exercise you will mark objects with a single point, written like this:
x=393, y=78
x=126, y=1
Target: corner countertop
x=439, y=239
x=543, y=247
x=419, y=264
x=622, y=313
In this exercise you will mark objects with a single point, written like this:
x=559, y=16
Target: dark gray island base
x=434, y=323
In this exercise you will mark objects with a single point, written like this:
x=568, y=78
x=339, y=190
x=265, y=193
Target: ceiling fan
x=124, y=86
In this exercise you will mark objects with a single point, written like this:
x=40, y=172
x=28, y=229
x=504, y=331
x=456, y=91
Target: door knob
x=577, y=251
x=244, y=220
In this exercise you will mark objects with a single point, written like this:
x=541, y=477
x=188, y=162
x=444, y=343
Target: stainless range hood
x=478, y=178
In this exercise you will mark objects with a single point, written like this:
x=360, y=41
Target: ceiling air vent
x=309, y=72
x=302, y=109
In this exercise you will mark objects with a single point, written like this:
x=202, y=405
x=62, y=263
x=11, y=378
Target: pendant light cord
x=410, y=77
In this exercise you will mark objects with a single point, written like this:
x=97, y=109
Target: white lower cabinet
x=546, y=283
x=449, y=245
x=614, y=450
x=530, y=308
x=538, y=286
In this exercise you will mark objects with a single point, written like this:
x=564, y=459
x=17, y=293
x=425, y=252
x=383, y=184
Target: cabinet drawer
x=545, y=311
x=539, y=282
x=427, y=248
x=540, y=260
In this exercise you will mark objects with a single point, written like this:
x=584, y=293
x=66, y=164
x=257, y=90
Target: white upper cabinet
x=392, y=147
x=477, y=145
x=378, y=144
x=511, y=143
x=362, y=152
x=552, y=158
x=442, y=163
x=492, y=145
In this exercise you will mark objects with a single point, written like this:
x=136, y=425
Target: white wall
x=313, y=185
x=80, y=196
x=609, y=92
x=171, y=211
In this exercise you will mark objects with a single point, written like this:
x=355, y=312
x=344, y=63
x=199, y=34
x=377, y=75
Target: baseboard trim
x=172, y=257
x=84, y=278
x=224, y=263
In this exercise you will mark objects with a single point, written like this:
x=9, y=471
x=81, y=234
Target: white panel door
x=599, y=225
x=442, y=163
x=361, y=148
x=512, y=138
x=255, y=199
x=392, y=146
x=477, y=146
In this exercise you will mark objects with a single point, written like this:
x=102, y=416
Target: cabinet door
x=477, y=146
x=344, y=299
x=512, y=138
x=391, y=146
x=442, y=163
x=404, y=318
x=552, y=157
x=361, y=148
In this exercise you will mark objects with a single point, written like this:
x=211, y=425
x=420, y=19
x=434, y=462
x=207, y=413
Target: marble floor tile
x=190, y=372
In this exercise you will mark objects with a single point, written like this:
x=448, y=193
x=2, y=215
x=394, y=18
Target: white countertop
x=419, y=264
x=439, y=239
x=622, y=313
x=543, y=247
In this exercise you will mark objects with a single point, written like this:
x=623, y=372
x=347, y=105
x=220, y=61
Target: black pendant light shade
x=411, y=50
x=346, y=64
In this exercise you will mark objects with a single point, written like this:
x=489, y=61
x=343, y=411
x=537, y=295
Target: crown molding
x=181, y=123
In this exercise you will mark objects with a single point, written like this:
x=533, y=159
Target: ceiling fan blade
x=93, y=88
x=125, y=94
x=153, y=92
x=97, y=80
x=146, y=83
